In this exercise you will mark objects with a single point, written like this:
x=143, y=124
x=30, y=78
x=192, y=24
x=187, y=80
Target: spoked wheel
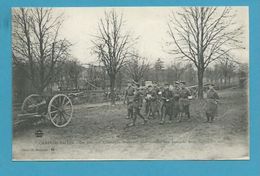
x=60, y=110
x=30, y=103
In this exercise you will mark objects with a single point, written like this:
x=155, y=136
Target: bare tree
x=227, y=68
x=112, y=45
x=243, y=72
x=203, y=35
x=36, y=43
x=137, y=67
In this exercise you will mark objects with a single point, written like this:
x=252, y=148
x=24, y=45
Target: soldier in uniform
x=151, y=102
x=137, y=105
x=176, y=97
x=211, y=106
x=147, y=99
x=184, y=102
x=129, y=95
x=167, y=98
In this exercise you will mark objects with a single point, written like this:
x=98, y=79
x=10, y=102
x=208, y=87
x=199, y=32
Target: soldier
x=212, y=105
x=129, y=95
x=167, y=98
x=147, y=99
x=184, y=102
x=176, y=97
x=150, y=101
x=137, y=105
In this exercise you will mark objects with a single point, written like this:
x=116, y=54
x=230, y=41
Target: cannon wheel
x=30, y=101
x=60, y=110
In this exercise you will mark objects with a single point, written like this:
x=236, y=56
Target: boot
x=207, y=115
x=211, y=119
x=170, y=119
x=161, y=122
x=179, y=117
x=188, y=114
x=145, y=121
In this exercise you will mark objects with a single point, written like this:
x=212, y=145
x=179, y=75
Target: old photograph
x=130, y=83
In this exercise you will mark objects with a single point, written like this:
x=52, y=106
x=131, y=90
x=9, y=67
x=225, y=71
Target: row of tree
x=223, y=74
x=199, y=35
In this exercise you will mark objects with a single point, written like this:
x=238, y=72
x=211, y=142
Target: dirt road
x=100, y=133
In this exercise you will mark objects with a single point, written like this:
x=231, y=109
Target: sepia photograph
x=130, y=83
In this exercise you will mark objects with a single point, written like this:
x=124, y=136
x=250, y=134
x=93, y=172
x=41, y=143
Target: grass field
x=101, y=132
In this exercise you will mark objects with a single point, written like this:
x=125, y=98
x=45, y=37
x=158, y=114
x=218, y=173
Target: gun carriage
x=58, y=108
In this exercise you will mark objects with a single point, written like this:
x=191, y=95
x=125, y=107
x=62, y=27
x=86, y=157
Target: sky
x=147, y=23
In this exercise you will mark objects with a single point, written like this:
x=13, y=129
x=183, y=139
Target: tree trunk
x=112, y=88
x=200, y=83
x=76, y=83
x=225, y=79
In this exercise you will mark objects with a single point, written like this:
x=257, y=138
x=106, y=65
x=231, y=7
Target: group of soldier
x=165, y=101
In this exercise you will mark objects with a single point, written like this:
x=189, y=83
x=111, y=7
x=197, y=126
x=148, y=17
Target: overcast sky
x=149, y=23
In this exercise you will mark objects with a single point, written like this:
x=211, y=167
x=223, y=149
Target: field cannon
x=58, y=108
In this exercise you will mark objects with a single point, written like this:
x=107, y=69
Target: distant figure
x=137, y=105
x=212, y=104
x=184, y=101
